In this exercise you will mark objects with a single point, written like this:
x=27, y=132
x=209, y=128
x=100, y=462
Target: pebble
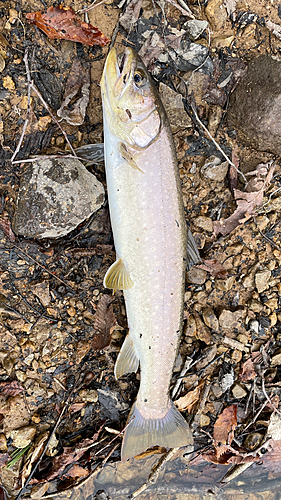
x=216, y=14
x=71, y=311
x=41, y=290
x=23, y=436
x=262, y=280
x=225, y=285
x=196, y=276
x=178, y=117
x=272, y=303
x=190, y=326
x=210, y=318
x=255, y=106
x=204, y=223
x=204, y=420
x=55, y=196
x=255, y=305
x=229, y=319
x=214, y=169
x=3, y=443
x=202, y=331
x=239, y=392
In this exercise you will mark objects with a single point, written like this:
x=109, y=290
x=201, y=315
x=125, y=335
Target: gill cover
x=132, y=108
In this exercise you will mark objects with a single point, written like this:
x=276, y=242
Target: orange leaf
x=248, y=371
x=77, y=471
x=62, y=22
x=225, y=425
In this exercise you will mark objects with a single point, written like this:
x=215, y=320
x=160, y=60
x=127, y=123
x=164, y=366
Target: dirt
x=61, y=331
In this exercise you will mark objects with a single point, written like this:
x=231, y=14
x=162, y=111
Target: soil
x=61, y=331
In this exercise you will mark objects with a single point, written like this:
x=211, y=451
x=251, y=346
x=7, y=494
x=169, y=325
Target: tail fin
x=171, y=431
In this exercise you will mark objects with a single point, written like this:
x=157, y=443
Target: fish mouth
x=118, y=71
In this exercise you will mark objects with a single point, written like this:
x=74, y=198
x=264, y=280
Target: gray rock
x=195, y=28
x=190, y=56
x=255, y=105
x=56, y=194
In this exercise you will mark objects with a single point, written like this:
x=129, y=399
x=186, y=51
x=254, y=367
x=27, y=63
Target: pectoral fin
x=192, y=254
x=127, y=361
x=117, y=277
x=128, y=156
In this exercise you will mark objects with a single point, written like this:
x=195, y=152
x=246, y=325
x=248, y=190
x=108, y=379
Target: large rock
x=55, y=196
x=255, y=105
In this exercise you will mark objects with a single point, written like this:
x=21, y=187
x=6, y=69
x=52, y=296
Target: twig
x=268, y=398
x=43, y=267
x=27, y=110
x=216, y=144
x=32, y=86
x=119, y=434
x=65, y=406
x=156, y=469
x=46, y=157
x=185, y=368
x=91, y=7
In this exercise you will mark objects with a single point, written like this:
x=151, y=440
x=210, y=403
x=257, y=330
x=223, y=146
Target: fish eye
x=140, y=77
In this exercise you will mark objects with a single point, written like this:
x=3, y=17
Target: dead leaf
x=4, y=457
x=77, y=471
x=189, y=400
x=214, y=267
x=246, y=201
x=105, y=322
x=10, y=388
x=5, y=225
x=78, y=83
x=129, y=18
x=230, y=6
x=62, y=22
x=33, y=454
x=248, y=371
x=225, y=425
x=76, y=407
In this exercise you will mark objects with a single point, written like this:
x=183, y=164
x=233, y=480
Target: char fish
x=152, y=243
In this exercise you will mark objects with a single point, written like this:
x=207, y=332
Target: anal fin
x=127, y=360
x=117, y=277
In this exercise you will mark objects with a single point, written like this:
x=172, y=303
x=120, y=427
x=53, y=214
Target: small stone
x=8, y=83
x=242, y=338
x=21, y=376
x=276, y=360
x=239, y=392
x=254, y=326
x=36, y=419
x=195, y=28
x=178, y=117
x=89, y=396
x=273, y=319
x=229, y=319
x=41, y=290
x=210, y=318
x=214, y=169
x=28, y=360
x=236, y=356
x=204, y=223
x=190, y=326
x=204, y=420
x=216, y=14
x=3, y=443
x=261, y=221
x=196, y=276
x=255, y=305
x=202, y=331
x=225, y=285
x=261, y=280
x=71, y=311
x=272, y=303
x=227, y=381
x=23, y=437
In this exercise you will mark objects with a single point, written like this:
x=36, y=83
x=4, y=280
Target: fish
x=152, y=243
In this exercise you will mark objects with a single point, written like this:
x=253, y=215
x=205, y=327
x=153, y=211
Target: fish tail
x=171, y=431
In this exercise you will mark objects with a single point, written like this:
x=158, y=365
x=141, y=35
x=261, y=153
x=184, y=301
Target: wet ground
x=61, y=330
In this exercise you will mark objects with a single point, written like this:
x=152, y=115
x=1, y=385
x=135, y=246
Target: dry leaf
x=105, y=322
x=5, y=225
x=190, y=399
x=248, y=371
x=62, y=22
x=214, y=267
x=78, y=83
x=225, y=425
x=131, y=14
x=77, y=471
x=230, y=6
x=10, y=388
x=76, y=407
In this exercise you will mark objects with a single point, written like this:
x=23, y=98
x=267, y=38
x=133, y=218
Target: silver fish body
x=150, y=238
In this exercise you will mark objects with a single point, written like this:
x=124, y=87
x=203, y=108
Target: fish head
x=132, y=107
